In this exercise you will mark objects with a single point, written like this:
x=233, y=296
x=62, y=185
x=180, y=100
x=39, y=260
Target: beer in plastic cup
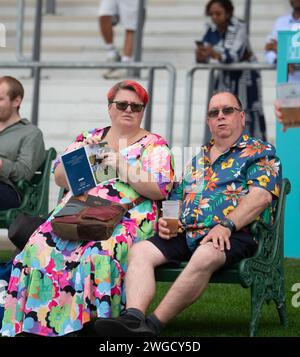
x=171, y=213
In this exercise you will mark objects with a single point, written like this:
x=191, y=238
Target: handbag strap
x=94, y=202
x=134, y=203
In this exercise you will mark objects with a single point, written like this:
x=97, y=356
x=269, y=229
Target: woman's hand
x=140, y=180
x=111, y=158
x=203, y=53
x=89, y=141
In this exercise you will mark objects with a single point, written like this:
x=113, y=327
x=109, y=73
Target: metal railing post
x=148, y=114
x=188, y=107
x=170, y=104
x=210, y=90
x=138, y=37
x=50, y=7
x=36, y=49
x=35, y=95
x=247, y=15
x=19, y=30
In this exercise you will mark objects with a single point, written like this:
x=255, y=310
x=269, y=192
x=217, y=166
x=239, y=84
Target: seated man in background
x=22, y=148
x=233, y=181
x=287, y=22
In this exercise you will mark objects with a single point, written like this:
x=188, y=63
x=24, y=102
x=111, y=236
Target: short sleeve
x=265, y=172
x=157, y=159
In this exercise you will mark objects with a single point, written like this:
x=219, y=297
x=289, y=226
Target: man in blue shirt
x=234, y=180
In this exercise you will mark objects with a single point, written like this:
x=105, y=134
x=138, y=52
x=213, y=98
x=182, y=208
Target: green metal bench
x=263, y=272
x=35, y=193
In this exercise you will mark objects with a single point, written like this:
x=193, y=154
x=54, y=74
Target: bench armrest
x=270, y=242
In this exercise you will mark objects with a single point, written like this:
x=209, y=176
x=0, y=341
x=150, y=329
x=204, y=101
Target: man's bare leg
x=139, y=278
x=128, y=45
x=140, y=290
x=106, y=29
x=191, y=283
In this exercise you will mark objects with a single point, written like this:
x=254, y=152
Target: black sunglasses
x=213, y=113
x=135, y=107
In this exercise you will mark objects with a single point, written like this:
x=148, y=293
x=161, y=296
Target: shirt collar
x=242, y=141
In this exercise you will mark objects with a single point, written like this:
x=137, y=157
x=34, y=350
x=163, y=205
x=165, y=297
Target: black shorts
x=242, y=245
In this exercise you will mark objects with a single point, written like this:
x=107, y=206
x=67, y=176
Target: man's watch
x=226, y=222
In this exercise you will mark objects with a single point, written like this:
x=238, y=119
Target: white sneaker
x=113, y=56
x=116, y=73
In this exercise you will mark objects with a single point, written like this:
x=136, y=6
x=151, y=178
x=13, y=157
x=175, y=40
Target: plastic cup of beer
x=171, y=213
x=291, y=116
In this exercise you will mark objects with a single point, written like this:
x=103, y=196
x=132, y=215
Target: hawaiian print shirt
x=210, y=191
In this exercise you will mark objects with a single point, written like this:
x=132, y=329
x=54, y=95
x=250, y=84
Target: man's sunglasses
x=135, y=107
x=213, y=113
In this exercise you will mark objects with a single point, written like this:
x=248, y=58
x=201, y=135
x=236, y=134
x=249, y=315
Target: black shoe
x=124, y=326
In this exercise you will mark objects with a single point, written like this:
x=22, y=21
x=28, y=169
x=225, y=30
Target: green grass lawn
x=224, y=310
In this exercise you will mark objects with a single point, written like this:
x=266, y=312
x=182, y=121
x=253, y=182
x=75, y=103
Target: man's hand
x=164, y=231
x=219, y=236
x=271, y=46
x=291, y=68
x=278, y=113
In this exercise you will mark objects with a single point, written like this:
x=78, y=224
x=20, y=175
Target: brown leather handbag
x=91, y=219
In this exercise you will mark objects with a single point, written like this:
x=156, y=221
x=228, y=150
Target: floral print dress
x=56, y=286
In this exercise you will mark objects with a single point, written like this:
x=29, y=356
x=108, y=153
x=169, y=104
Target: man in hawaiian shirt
x=234, y=180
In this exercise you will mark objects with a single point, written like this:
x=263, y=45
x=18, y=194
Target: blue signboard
x=288, y=146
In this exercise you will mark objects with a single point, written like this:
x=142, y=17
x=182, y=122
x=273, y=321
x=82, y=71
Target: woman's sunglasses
x=226, y=111
x=135, y=107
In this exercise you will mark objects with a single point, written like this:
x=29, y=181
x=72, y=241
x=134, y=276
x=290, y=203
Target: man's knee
x=138, y=250
x=206, y=258
x=146, y=253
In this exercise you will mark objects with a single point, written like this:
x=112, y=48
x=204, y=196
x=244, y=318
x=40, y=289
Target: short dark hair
x=240, y=105
x=226, y=4
x=15, y=88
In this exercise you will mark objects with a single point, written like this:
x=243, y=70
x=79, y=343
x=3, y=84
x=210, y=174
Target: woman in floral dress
x=56, y=285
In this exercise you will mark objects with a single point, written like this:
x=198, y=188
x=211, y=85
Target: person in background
x=234, y=181
x=22, y=148
x=226, y=41
x=57, y=286
x=127, y=12
x=286, y=22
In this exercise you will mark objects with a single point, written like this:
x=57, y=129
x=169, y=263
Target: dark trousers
x=9, y=198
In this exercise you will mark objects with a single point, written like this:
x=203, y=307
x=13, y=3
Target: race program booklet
x=84, y=168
